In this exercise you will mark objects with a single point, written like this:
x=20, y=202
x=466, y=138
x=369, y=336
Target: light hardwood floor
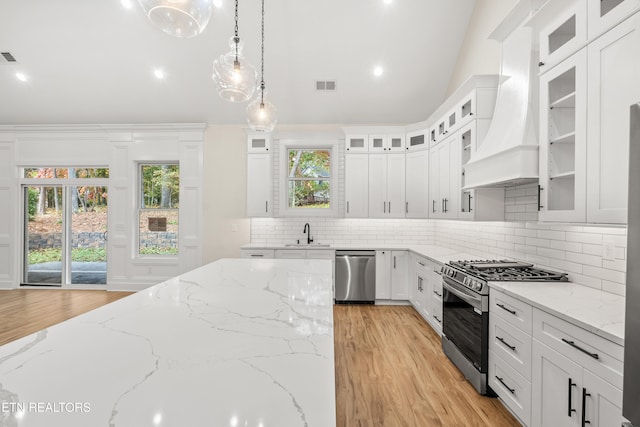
x=25, y=311
x=391, y=372
x=390, y=369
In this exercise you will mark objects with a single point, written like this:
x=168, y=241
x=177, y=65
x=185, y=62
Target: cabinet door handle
x=436, y=292
x=444, y=205
x=511, y=390
x=437, y=320
x=506, y=309
x=540, y=64
x=257, y=255
x=384, y=207
x=470, y=202
x=421, y=263
x=512, y=347
x=389, y=207
x=394, y=261
x=266, y=206
x=577, y=347
x=539, y=199
x=347, y=207
x=433, y=207
x=420, y=283
x=406, y=207
x=584, y=407
x=570, y=410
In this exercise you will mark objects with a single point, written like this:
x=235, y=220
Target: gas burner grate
x=507, y=270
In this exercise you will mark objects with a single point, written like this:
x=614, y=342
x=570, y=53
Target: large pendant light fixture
x=178, y=18
x=234, y=76
x=262, y=115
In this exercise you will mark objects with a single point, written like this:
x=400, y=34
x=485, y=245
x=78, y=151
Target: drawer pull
x=421, y=263
x=577, y=347
x=584, y=407
x=506, y=309
x=437, y=320
x=512, y=347
x=439, y=294
x=257, y=255
x=571, y=410
x=511, y=390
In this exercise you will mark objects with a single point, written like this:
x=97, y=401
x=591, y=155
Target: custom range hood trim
x=508, y=155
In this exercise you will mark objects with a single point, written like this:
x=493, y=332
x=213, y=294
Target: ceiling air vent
x=326, y=85
x=8, y=57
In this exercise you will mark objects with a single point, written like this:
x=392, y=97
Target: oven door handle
x=475, y=301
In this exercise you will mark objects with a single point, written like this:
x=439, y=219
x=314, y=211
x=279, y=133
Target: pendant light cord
x=236, y=39
x=262, y=86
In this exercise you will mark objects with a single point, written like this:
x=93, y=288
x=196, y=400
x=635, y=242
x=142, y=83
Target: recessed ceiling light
x=159, y=73
x=378, y=71
x=21, y=76
x=387, y=1
x=217, y=3
x=127, y=4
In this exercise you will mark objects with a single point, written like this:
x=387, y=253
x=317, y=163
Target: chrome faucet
x=307, y=229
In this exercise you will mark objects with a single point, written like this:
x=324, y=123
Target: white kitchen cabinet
x=417, y=184
x=258, y=143
x=574, y=369
x=387, y=185
x=563, y=30
x=435, y=297
x=444, y=178
x=392, y=275
x=427, y=285
x=290, y=254
x=613, y=70
x=386, y=142
x=417, y=140
x=257, y=253
x=357, y=143
x=484, y=204
x=418, y=286
x=479, y=103
x=563, y=105
x=605, y=14
x=356, y=185
x=259, y=185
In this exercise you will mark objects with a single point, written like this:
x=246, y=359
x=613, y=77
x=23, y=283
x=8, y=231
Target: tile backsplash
x=576, y=249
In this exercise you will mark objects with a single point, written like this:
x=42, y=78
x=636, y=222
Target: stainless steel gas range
x=465, y=310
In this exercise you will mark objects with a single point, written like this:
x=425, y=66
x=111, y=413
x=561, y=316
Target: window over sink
x=307, y=178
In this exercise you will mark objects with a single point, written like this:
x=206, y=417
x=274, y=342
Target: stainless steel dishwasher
x=355, y=277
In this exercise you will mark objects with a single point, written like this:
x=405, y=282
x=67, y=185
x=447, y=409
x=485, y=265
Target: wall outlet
x=608, y=250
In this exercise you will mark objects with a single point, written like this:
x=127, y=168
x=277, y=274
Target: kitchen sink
x=304, y=245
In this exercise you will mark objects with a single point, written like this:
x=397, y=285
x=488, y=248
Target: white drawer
x=436, y=317
x=596, y=354
x=514, y=311
x=512, y=345
x=257, y=253
x=513, y=389
x=320, y=254
x=437, y=289
x=290, y=254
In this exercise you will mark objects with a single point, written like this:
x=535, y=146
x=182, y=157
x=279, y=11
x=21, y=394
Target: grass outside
x=88, y=254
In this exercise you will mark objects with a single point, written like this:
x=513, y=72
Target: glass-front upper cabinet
x=357, y=143
x=604, y=14
x=563, y=30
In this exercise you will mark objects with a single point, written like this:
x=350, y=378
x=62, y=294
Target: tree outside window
x=309, y=179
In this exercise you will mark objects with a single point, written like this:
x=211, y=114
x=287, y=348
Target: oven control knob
x=477, y=286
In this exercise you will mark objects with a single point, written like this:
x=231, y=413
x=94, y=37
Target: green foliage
x=309, y=178
x=77, y=254
x=159, y=251
x=161, y=186
x=32, y=203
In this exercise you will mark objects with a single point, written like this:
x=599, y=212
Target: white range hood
x=508, y=155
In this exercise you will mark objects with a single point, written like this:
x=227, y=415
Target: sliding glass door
x=65, y=237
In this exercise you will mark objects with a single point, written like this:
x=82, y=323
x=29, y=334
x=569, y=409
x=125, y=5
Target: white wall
x=478, y=54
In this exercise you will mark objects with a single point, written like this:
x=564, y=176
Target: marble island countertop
x=597, y=311
x=233, y=343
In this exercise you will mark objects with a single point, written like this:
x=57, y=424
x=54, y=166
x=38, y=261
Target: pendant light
x=234, y=76
x=178, y=18
x=262, y=115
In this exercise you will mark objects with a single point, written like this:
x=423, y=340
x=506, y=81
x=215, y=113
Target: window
x=309, y=180
x=158, y=209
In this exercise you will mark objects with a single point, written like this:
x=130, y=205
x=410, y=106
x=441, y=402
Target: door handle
x=584, y=407
x=406, y=207
x=506, y=309
x=389, y=207
x=539, y=205
x=266, y=206
x=511, y=390
x=570, y=410
x=384, y=207
x=394, y=261
x=433, y=206
x=577, y=347
x=512, y=347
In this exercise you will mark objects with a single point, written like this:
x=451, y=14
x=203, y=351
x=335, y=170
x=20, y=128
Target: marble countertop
x=234, y=343
x=436, y=253
x=597, y=311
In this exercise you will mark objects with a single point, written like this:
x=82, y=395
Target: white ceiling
x=92, y=61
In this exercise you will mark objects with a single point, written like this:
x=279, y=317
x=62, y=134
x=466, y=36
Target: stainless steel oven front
x=465, y=329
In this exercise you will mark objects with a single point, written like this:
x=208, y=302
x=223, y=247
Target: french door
x=65, y=235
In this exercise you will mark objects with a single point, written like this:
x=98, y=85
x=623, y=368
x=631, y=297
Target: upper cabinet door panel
x=564, y=35
x=613, y=69
x=357, y=143
x=605, y=14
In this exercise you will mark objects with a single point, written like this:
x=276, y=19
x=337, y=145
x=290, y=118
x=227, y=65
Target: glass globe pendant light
x=234, y=76
x=178, y=18
x=262, y=115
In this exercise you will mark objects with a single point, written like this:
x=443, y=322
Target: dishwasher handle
x=355, y=253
